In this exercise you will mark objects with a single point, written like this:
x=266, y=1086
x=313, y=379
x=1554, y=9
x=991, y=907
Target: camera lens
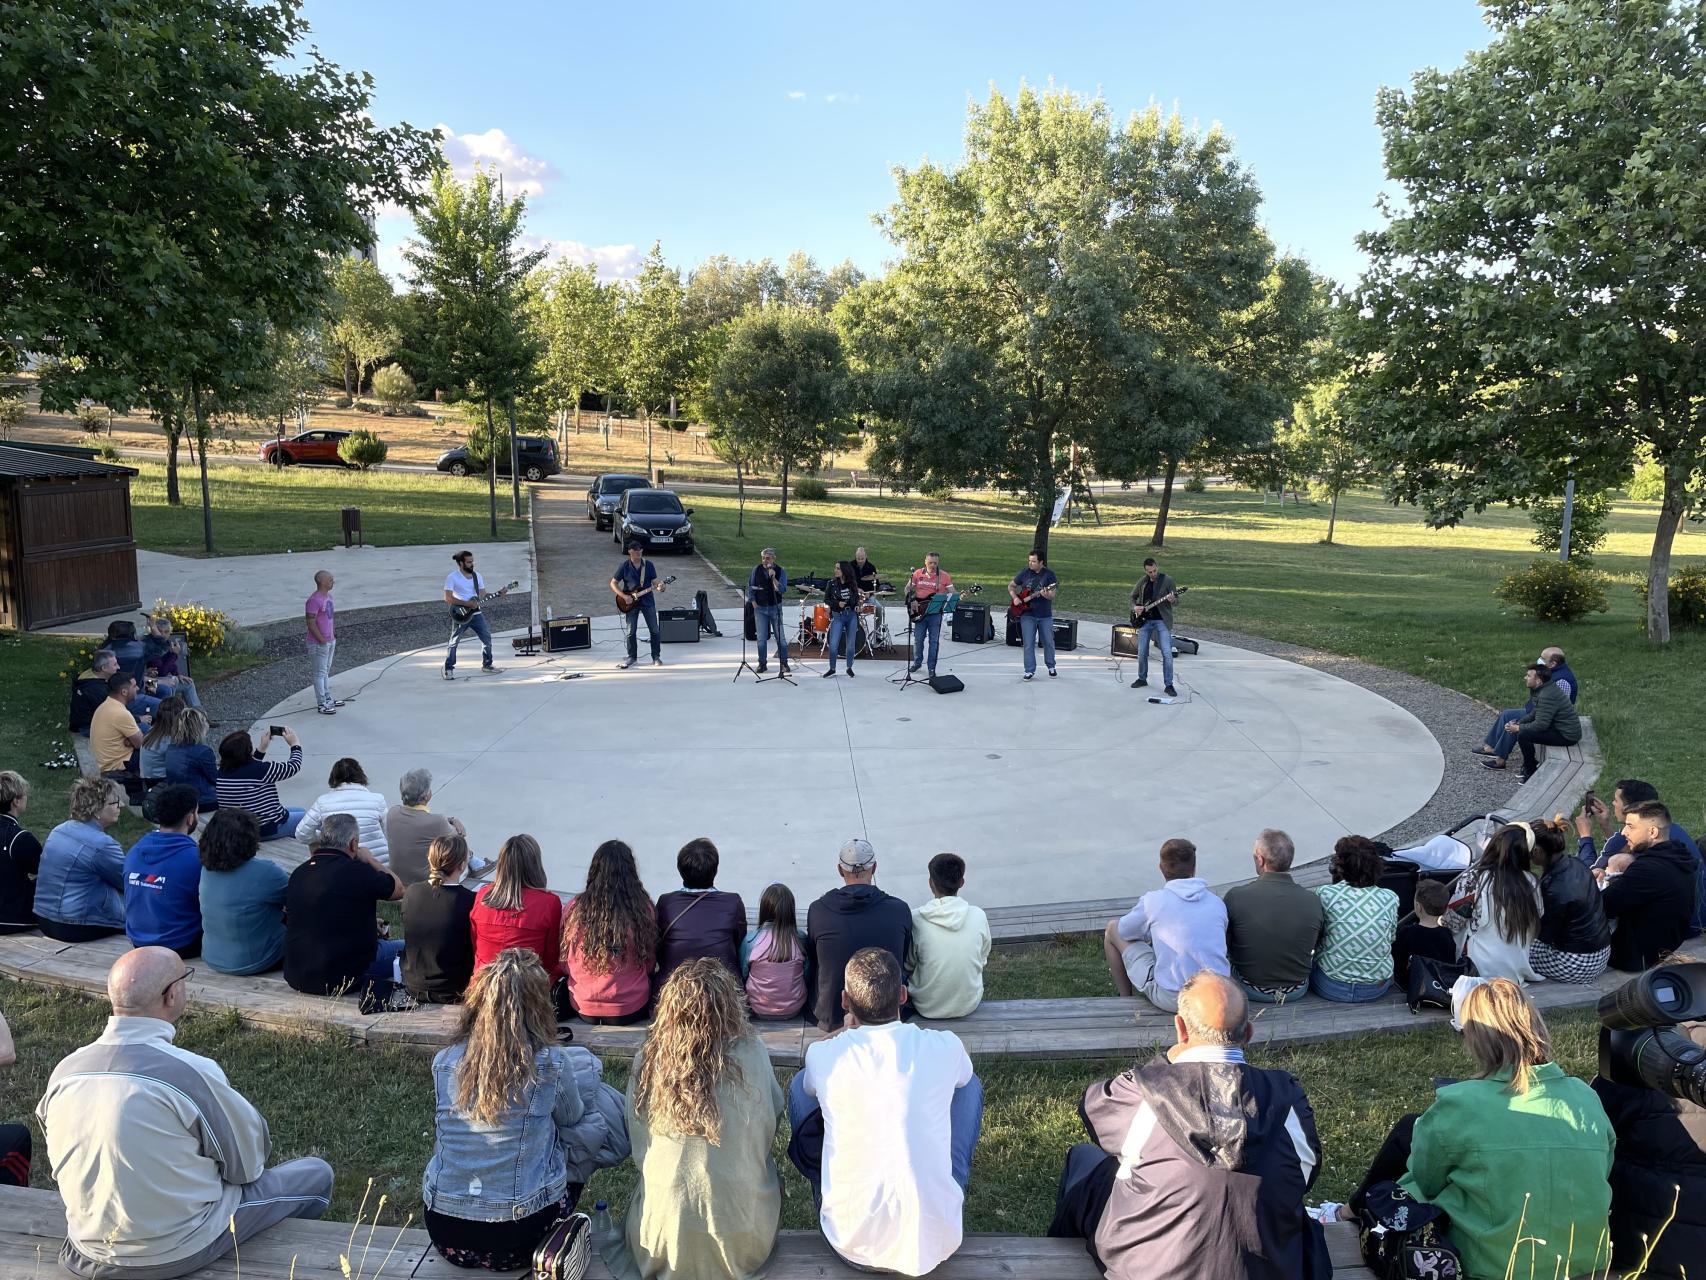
x=1665, y=1060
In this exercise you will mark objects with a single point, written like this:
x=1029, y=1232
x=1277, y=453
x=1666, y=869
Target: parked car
x=537, y=456
x=317, y=448
x=606, y=491
x=655, y=519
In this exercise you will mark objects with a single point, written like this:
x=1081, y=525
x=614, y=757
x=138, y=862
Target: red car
x=319, y=448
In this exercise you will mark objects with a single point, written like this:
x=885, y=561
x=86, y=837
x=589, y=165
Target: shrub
x=107, y=451
x=342, y=402
x=1552, y=591
x=1648, y=484
x=204, y=628
x=1687, y=595
x=362, y=449
x=810, y=489
x=1588, y=519
x=92, y=418
x=1197, y=483
x=394, y=386
x=12, y=411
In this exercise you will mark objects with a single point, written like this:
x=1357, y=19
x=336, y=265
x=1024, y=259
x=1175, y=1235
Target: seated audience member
x=438, y=941
x=517, y=910
x=162, y=878
x=161, y=1163
x=1574, y=941
x=247, y=780
x=80, y=884
x=1627, y=793
x=16, y=1144
x=242, y=897
x=151, y=756
x=1172, y=932
x=331, y=934
x=885, y=1117
x=1153, y=1195
x=190, y=761
x=1501, y=739
x=161, y=654
x=410, y=829
x=126, y=649
x=1426, y=935
x=1517, y=1157
x=89, y=690
x=773, y=958
x=950, y=945
x=115, y=737
x=498, y=1177
x=847, y=920
x=1499, y=911
x=703, y=1111
x=1659, y=1166
x=20, y=856
x=1551, y=722
x=1355, y=962
x=1273, y=925
x=699, y=919
x=350, y=794
x=610, y=940
x=1650, y=903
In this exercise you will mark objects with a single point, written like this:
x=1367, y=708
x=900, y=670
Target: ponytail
x=444, y=856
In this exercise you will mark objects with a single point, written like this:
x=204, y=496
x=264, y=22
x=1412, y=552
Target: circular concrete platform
x=1053, y=790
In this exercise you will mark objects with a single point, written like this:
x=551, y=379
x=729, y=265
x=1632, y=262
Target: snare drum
x=820, y=618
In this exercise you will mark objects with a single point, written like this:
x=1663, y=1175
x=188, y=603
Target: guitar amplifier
x=678, y=626
x=972, y=623
x=564, y=634
x=1125, y=641
x=1065, y=634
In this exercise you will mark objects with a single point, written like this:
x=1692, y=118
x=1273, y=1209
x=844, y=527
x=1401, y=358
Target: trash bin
x=352, y=525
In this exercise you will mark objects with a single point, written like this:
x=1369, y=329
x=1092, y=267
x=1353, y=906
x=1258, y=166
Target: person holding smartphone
x=247, y=780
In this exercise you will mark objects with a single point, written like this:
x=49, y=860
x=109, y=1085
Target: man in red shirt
x=933, y=590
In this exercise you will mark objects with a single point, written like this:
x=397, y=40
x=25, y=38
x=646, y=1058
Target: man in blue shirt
x=635, y=575
x=1037, y=579
x=766, y=588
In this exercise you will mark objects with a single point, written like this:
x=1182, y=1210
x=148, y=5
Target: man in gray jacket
x=1152, y=609
x=161, y=1163
x=1551, y=722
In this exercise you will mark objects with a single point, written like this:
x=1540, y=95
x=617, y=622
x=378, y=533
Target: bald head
x=1212, y=1011
x=144, y=984
x=322, y=579
x=1552, y=656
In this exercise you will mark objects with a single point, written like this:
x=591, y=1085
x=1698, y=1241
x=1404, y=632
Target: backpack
x=707, y=621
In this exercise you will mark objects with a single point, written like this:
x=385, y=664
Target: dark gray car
x=606, y=491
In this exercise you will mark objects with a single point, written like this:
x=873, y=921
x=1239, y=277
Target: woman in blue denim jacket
x=80, y=882
x=522, y=1121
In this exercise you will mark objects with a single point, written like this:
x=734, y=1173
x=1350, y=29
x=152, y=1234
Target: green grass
x=262, y=509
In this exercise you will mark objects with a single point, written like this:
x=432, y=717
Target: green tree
x=782, y=382
x=291, y=382
x=1319, y=443
x=803, y=281
x=720, y=289
x=362, y=326
x=658, y=343
x=1535, y=306
x=467, y=253
x=176, y=175
x=575, y=318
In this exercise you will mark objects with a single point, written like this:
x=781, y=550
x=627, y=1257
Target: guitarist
x=463, y=589
x=766, y=587
x=1152, y=610
x=634, y=576
x=1032, y=591
x=930, y=594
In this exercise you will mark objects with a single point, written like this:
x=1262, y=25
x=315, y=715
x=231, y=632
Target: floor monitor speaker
x=947, y=684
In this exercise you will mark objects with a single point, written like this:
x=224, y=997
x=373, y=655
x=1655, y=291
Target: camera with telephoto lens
x=1639, y=1044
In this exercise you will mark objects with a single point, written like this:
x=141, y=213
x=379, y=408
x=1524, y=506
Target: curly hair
x=614, y=916
x=1356, y=861
x=90, y=795
x=232, y=837
x=506, y=1021
x=700, y=1021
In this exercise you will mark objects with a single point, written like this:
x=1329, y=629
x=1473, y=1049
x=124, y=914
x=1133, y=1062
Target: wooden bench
x=32, y=1227
x=1563, y=777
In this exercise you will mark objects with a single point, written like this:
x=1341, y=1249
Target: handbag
x=1431, y=981
x=566, y=1251
x=1405, y=1239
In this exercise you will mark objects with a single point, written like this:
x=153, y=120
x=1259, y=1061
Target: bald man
x=322, y=642
x=161, y=1163
x=1198, y=1162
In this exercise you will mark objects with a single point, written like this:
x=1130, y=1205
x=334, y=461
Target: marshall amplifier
x=972, y=623
x=1125, y=641
x=563, y=634
x=678, y=626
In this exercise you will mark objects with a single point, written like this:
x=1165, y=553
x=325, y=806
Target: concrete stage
x=1053, y=790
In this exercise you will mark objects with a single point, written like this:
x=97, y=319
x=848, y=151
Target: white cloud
x=849, y=98
x=497, y=152
x=796, y=95
x=613, y=261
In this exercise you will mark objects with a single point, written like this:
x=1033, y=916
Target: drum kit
x=874, y=636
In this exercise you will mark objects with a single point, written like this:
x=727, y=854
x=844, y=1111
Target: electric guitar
x=468, y=608
x=1022, y=602
x=1137, y=613
x=627, y=600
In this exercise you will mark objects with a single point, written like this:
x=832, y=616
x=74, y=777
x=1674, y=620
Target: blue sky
x=754, y=129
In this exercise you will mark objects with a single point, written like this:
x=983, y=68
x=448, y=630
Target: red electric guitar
x=1022, y=602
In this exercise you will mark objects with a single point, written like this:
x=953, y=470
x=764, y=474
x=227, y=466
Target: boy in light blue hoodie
x=1172, y=933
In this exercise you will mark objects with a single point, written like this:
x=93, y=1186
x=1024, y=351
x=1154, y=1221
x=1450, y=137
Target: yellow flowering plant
x=204, y=628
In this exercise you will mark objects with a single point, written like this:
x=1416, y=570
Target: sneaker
x=1030, y=675
x=327, y=710
x=657, y=662
x=1140, y=683
x=932, y=673
x=1492, y=762
x=913, y=669
x=337, y=702
x=763, y=667
x=448, y=675
x=400, y=1002
x=1052, y=673
x=624, y=664
x=829, y=673
x=490, y=671
x=849, y=673
x=1170, y=691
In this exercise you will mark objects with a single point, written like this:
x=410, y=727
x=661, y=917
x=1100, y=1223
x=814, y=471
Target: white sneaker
x=448, y=674
x=624, y=664
x=491, y=671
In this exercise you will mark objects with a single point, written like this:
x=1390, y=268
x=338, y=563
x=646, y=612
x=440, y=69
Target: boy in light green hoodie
x=950, y=945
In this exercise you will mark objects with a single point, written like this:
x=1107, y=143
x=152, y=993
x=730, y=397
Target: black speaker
x=972, y=623
x=1125, y=641
x=751, y=623
x=947, y=684
x=1066, y=634
x=1015, y=637
x=678, y=626
x=563, y=634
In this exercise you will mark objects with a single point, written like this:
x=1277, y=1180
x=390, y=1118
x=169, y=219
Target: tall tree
x=467, y=253
x=657, y=359
x=781, y=384
x=575, y=318
x=1320, y=444
x=176, y=175
x=720, y=289
x=838, y=280
x=802, y=281
x=361, y=327
x=1535, y=306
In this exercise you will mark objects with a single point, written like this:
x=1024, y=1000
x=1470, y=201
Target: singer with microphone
x=765, y=589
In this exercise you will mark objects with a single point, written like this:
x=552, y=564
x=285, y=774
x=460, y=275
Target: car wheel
x=282, y=458
x=458, y=468
x=534, y=473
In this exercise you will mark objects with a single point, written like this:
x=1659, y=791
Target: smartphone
x=276, y=730
x=1590, y=804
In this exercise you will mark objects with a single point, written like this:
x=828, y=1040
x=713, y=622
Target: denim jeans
x=285, y=830
x=926, y=629
x=648, y=607
x=843, y=637
x=320, y=658
x=143, y=704
x=1160, y=631
x=1501, y=742
x=1029, y=627
x=805, y=1149
x=166, y=686
x=1329, y=988
x=768, y=619
x=480, y=627
x=384, y=966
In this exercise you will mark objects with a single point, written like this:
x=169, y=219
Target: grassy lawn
x=262, y=509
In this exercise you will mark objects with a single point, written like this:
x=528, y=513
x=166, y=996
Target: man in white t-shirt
x=463, y=587
x=885, y=1117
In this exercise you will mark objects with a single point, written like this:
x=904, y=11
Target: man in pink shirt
x=322, y=643
x=930, y=594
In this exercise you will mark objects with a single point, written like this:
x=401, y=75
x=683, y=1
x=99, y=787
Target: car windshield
x=652, y=504
x=619, y=484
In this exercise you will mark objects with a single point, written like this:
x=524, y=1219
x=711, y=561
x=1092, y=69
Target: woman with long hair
x=610, y=940
x=1518, y=1156
x=151, y=759
x=1574, y=940
x=703, y=1110
x=438, y=941
x=517, y=910
x=1354, y=964
x=190, y=761
x=521, y=1121
x=773, y=958
x=1500, y=915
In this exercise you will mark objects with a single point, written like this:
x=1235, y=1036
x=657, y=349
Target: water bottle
x=607, y=1241
x=547, y=613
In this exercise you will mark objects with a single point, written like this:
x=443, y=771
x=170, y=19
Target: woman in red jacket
x=517, y=910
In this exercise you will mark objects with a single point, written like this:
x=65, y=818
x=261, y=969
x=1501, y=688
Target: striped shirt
x=253, y=786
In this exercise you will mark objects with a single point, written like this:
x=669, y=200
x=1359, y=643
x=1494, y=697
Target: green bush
x=1197, y=483
x=1687, y=595
x=810, y=489
x=362, y=449
x=1552, y=591
x=1648, y=484
x=1588, y=519
x=92, y=417
x=107, y=451
x=12, y=411
x=394, y=386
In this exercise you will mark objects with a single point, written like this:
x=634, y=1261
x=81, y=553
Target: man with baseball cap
x=847, y=920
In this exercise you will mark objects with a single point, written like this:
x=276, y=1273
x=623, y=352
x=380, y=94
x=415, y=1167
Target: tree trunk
x=785, y=462
x=1045, y=521
x=349, y=392
x=174, y=426
x=514, y=466
x=1332, y=517
x=1671, y=511
x=491, y=468
x=1159, y=537
x=201, y=451
x=651, y=474
x=740, y=494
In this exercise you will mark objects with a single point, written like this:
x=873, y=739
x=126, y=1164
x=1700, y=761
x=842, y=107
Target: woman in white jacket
x=349, y=794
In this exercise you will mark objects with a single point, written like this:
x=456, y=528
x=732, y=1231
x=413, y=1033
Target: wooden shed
x=66, y=546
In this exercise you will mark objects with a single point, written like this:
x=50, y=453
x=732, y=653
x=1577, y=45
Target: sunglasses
x=182, y=977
